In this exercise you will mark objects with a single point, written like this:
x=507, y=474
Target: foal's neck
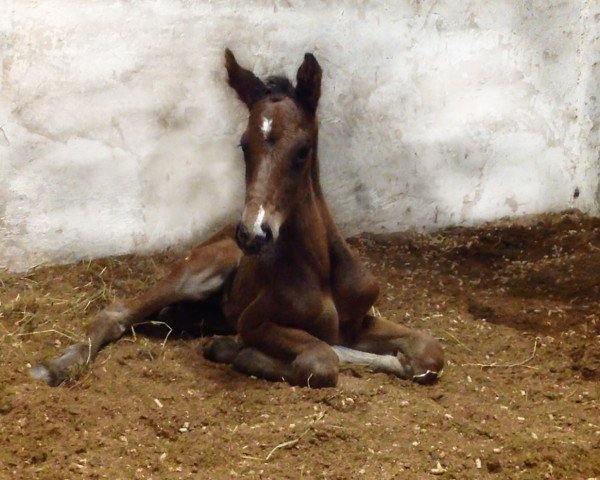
x=307, y=234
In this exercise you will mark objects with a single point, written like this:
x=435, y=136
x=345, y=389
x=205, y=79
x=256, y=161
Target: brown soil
x=514, y=303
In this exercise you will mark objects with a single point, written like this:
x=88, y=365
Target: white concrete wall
x=118, y=131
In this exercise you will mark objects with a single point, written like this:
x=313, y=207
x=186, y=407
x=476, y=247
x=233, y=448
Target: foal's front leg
x=195, y=278
x=419, y=356
x=394, y=348
x=278, y=352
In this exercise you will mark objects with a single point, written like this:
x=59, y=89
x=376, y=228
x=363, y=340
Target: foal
x=287, y=282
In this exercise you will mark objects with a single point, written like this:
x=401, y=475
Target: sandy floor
x=515, y=305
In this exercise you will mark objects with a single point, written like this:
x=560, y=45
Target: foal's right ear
x=248, y=86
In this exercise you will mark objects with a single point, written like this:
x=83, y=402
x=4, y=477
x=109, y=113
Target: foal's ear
x=308, y=83
x=248, y=86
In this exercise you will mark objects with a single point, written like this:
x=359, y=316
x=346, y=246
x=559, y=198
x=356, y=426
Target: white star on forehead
x=265, y=127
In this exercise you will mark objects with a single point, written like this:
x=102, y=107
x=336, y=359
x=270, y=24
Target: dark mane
x=279, y=85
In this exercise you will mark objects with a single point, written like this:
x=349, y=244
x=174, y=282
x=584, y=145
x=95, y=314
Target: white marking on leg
x=201, y=284
x=381, y=363
x=265, y=127
x=116, y=314
x=39, y=372
x=258, y=222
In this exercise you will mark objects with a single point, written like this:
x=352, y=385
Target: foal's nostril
x=241, y=234
x=265, y=227
x=251, y=241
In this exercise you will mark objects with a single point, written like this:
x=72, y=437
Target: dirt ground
x=515, y=305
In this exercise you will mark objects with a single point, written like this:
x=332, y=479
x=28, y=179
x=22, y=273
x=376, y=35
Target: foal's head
x=279, y=145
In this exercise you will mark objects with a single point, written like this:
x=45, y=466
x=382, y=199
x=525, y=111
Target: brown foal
x=287, y=282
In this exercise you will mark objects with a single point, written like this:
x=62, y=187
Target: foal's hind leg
x=200, y=275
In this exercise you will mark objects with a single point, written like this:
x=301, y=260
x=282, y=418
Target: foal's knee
x=428, y=361
x=316, y=368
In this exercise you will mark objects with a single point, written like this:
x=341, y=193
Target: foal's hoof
x=428, y=366
x=221, y=350
x=49, y=373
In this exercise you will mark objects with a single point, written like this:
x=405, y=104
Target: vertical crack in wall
x=589, y=111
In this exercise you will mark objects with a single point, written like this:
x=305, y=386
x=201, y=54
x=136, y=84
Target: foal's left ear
x=308, y=83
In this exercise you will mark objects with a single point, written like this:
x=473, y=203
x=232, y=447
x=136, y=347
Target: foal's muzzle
x=252, y=242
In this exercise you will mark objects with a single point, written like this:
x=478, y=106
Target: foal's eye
x=301, y=155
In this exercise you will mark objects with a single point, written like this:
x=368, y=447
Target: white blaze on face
x=259, y=220
x=265, y=127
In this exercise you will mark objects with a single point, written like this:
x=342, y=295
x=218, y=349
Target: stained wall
x=118, y=132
